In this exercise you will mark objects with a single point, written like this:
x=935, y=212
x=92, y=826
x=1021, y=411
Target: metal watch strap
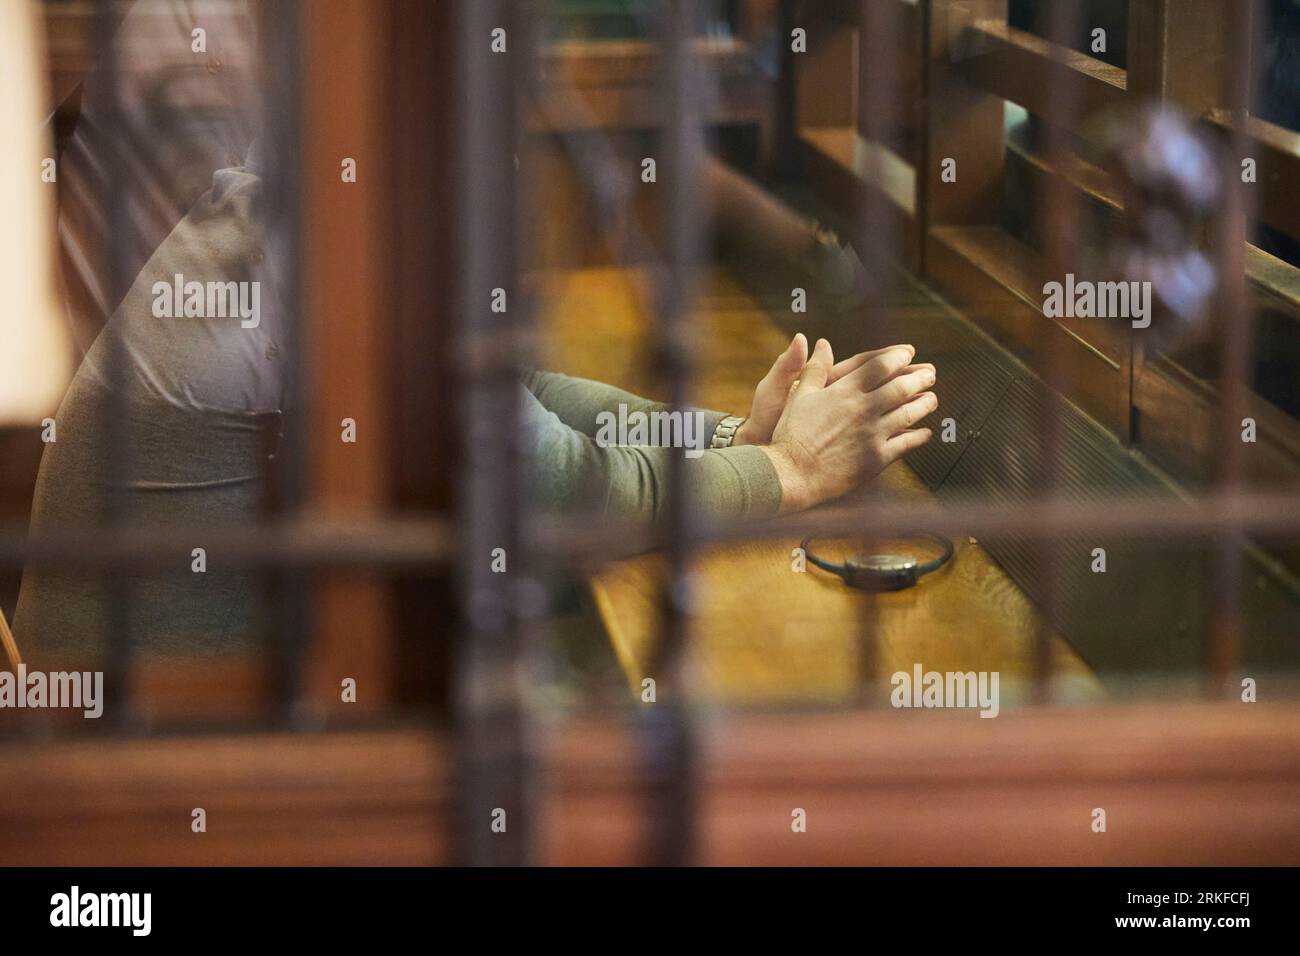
x=725, y=433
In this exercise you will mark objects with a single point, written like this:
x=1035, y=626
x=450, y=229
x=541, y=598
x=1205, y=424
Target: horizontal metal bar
x=421, y=543
x=1263, y=516
x=408, y=543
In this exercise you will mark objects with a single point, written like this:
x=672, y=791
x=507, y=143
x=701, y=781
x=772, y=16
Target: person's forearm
x=572, y=473
x=581, y=403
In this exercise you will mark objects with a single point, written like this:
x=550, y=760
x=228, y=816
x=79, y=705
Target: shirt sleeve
x=571, y=472
x=579, y=401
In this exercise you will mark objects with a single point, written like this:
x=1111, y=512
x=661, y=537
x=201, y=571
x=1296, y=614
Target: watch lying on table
x=883, y=572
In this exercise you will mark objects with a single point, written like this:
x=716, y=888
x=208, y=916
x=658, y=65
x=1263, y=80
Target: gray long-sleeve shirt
x=572, y=469
x=199, y=393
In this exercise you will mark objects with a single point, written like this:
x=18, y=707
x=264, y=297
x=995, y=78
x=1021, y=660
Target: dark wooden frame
x=974, y=61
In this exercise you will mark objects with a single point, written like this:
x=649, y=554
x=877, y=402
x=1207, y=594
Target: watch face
x=883, y=562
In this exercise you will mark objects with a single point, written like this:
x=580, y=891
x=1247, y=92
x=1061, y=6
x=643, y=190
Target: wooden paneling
x=901, y=24
x=69, y=31
x=296, y=800
x=834, y=159
x=1181, y=784
x=860, y=129
x=987, y=276
x=1276, y=152
x=1022, y=271
x=424, y=109
x=1177, y=51
x=1180, y=55
x=346, y=244
x=614, y=84
x=827, y=77
x=964, y=123
x=1177, y=430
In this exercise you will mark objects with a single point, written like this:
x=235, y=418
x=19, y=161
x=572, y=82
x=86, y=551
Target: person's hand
x=832, y=436
x=771, y=394
x=774, y=390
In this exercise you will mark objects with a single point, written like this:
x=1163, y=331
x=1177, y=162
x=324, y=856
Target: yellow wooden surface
x=761, y=632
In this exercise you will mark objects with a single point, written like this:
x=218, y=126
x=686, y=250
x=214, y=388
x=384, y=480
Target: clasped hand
x=828, y=427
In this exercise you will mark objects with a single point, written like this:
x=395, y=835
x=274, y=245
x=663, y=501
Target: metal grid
x=492, y=716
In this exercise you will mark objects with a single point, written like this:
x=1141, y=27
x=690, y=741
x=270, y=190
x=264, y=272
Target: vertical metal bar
x=877, y=94
x=282, y=130
x=877, y=80
x=1058, y=216
x=494, y=760
x=118, y=590
x=1237, y=347
x=784, y=159
x=668, y=735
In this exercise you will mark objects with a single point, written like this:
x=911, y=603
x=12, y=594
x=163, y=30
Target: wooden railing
x=973, y=64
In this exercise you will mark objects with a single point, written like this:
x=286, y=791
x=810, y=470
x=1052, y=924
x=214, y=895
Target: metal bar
x=411, y=543
x=290, y=589
x=1058, y=213
x=877, y=93
x=667, y=733
x=784, y=158
x=1267, y=516
x=1237, y=348
x=607, y=183
x=117, y=425
x=426, y=544
x=493, y=756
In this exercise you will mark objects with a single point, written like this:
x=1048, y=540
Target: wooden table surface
x=763, y=633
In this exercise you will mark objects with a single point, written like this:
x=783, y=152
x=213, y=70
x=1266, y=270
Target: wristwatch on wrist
x=725, y=433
